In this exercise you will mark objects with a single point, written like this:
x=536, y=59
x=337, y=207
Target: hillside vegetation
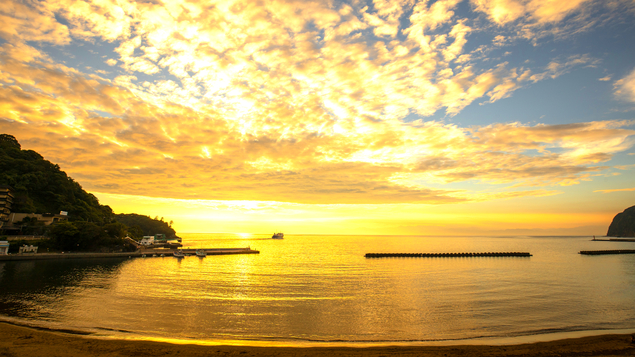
x=144, y=226
x=42, y=187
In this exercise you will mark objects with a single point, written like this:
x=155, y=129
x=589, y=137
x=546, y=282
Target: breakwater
x=602, y=252
x=447, y=255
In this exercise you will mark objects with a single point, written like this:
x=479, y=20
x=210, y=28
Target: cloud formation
x=625, y=87
x=616, y=190
x=296, y=101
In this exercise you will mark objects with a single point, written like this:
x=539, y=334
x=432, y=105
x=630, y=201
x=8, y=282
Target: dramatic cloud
x=625, y=87
x=540, y=11
x=296, y=101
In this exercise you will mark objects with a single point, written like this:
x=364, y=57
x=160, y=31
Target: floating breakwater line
x=602, y=252
x=447, y=255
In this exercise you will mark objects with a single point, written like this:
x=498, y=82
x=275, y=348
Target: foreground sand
x=18, y=341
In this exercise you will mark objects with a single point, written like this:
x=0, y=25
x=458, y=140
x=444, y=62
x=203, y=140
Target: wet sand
x=18, y=341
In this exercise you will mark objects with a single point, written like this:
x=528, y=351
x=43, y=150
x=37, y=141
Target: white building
x=147, y=240
x=28, y=249
x=4, y=247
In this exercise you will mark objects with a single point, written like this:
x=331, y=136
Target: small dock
x=603, y=252
x=219, y=251
x=446, y=255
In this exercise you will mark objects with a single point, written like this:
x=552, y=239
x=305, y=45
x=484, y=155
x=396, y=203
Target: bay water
x=321, y=290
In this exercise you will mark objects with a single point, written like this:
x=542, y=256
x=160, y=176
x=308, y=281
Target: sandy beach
x=19, y=341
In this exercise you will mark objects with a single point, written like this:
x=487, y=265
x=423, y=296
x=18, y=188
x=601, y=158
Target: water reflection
x=322, y=288
x=29, y=288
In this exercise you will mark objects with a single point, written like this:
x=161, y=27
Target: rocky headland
x=623, y=224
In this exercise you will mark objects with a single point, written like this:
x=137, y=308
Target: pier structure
x=446, y=255
x=603, y=252
x=219, y=251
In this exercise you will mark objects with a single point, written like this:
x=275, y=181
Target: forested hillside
x=143, y=225
x=41, y=187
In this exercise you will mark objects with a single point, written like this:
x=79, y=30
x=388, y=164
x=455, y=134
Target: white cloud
x=256, y=99
x=625, y=87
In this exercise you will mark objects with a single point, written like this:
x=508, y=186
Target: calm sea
x=319, y=289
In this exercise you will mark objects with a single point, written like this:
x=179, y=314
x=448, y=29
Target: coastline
x=18, y=340
x=149, y=253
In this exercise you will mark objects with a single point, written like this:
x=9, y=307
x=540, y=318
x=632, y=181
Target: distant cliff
x=623, y=224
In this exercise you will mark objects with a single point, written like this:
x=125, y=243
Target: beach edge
x=17, y=340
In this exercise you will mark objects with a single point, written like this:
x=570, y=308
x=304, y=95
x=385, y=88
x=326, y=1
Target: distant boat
x=201, y=253
x=279, y=235
x=179, y=253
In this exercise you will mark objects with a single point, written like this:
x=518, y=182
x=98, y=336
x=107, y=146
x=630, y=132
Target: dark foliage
x=144, y=225
x=87, y=236
x=41, y=187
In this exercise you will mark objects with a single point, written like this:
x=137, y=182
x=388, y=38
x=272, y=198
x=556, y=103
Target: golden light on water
x=320, y=290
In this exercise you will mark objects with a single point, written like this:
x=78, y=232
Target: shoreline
x=33, y=341
x=149, y=253
x=119, y=334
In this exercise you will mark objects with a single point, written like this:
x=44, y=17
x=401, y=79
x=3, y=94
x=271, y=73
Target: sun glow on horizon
x=250, y=217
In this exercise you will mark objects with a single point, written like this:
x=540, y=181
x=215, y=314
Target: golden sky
x=357, y=117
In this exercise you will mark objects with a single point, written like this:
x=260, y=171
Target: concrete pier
x=602, y=252
x=220, y=251
x=446, y=255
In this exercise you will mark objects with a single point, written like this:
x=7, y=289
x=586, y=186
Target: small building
x=28, y=249
x=4, y=247
x=6, y=200
x=147, y=240
x=44, y=218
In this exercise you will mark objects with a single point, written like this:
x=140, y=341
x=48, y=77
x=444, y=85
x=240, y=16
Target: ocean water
x=320, y=289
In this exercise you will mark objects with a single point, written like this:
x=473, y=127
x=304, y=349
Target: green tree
x=116, y=230
x=135, y=232
x=65, y=236
x=147, y=225
x=41, y=187
x=9, y=141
